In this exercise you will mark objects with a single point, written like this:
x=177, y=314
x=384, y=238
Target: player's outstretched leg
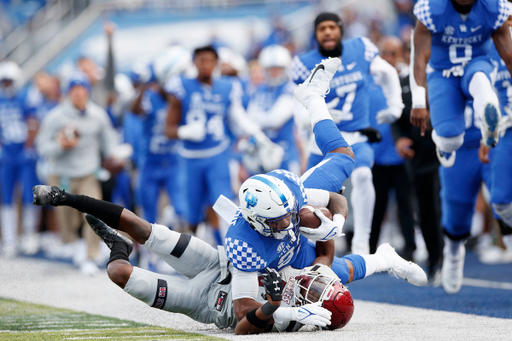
x=409, y=271
x=452, y=272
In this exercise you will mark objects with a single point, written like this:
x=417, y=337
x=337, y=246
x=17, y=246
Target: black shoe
x=47, y=195
x=106, y=233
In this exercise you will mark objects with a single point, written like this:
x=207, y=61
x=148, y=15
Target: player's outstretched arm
x=421, y=46
x=503, y=42
x=113, y=215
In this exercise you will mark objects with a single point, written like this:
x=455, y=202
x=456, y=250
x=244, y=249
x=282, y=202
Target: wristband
x=255, y=321
x=419, y=97
x=268, y=308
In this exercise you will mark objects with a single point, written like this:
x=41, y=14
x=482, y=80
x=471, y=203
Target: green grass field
x=26, y=321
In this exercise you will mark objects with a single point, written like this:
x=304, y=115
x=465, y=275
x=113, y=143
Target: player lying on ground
x=197, y=261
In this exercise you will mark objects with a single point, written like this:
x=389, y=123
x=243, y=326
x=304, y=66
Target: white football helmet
x=10, y=71
x=269, y=206
x=173, y=61
x=275, y=56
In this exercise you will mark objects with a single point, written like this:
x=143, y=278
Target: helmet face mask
x=312, y=287
x=269, y=206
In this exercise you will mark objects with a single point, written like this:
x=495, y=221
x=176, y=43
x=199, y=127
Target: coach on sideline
x=72, y=138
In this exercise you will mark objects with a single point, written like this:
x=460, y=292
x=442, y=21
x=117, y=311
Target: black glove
x=372, y=134
x=273, y=284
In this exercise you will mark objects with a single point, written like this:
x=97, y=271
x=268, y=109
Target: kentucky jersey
x=155, y=146
x=13, y=128
x=456, y=38
x=349, y=87
x=503, y=82
x=208, y=105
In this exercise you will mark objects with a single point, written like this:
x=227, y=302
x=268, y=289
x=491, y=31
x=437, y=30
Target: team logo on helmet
x=251, y=199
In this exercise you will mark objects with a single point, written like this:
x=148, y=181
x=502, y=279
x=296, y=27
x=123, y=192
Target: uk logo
x=251, y=199
x=463, y=28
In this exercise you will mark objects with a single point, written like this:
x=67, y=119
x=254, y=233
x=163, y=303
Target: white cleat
x=490, y=127
x=409, y=271
x=445, y=159
x=317, y=84
x=453, y=268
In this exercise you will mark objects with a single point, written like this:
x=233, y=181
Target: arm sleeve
x=108, y=137
x=281, y=112
x=110, y=70
x=317, y=197
x=387, y=76
x=238, y=120
x=244, y=285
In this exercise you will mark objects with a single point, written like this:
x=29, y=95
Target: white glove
x=270, y=154
x=327, y=230
x=388, y=115
x=311, y=314
x=337, y=115
x=194, y=131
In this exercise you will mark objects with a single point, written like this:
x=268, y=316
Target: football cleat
x=452, y=272
x=47, y=195
x=445, y=159
x=106, y=233
x=409, y=271
x=490, y=127
x=317, y=84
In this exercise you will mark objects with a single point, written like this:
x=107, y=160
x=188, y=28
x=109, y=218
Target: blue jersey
x=155, y=146
x=349, y=86
x=208, y=105
x=456, y=40
x=385, y=152
x=248, y=250
x=263, y=100
x=13, y=128
x=503, y=83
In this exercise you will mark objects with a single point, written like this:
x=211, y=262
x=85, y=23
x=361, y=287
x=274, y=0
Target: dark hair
x=207, y=48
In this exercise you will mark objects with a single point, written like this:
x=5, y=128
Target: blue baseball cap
x=79, y=79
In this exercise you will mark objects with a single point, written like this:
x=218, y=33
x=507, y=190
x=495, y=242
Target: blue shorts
x=330, y=173
x=447, y=97
x=153, y=178
x=460, y=185
x=501, y=164
x=20, y=170
x=205, y=180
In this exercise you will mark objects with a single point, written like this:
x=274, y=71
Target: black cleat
x=106, y=233
x=47, y=195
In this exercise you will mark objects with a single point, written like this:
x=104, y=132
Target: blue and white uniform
x=159, y=160
x=501, y=193
x=272, y=109
x=460, y=48
x=348, y=97
x=461, y=183
x=250, y=251
x=206, y=168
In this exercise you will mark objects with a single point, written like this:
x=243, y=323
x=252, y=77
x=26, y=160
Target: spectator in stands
x=72, y=137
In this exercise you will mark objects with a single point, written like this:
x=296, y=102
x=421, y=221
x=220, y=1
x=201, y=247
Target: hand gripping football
x=308, y=217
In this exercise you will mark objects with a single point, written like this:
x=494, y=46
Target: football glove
x=311, y=314
x=388, y=115
x=195, y=132
x=328, y=228
x=273, y=284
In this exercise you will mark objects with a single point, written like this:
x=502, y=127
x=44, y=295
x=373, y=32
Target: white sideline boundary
x=61, y=285
x=481, y=283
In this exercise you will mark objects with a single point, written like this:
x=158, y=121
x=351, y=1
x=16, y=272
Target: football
x=308, y=217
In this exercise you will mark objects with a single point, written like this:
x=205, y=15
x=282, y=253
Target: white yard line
x=481, y=283
x=61, y=285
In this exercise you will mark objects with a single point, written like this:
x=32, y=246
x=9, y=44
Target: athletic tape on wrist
x=419, y=97
x=255, y=321
x=268, y=309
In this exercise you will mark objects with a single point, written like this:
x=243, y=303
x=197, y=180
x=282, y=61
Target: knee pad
x=361, y=175
x=142, y=285
x=504, y=211
x=447, y=144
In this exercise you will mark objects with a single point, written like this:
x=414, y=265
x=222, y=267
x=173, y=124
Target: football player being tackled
x=215, y=290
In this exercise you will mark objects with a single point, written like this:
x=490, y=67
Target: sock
x=318, y=111
x=31, y=215
x=328, y=136
x=103, y=210
x=375, y=263
x=119, y=251
x=359, y=264
x=481, y=89
x=9, y=220
x=363, y=202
